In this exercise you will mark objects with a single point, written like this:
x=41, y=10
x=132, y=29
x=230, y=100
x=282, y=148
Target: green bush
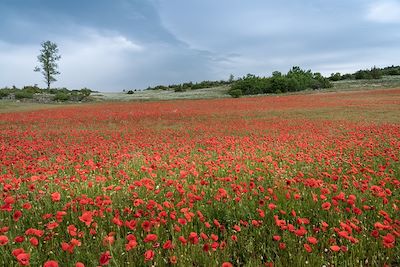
x=180, y=89
x=32, y=89
x=235, y=93
x=4, y=93
x=23, y=94
x=295, y=80
x=335, y=77
x=62, y=96
x=130, y=92
x=252, y=85
x=373, y=73
x=85, y=91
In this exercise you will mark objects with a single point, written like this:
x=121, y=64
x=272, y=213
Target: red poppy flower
x=108, y=240
x=19, y=239
x=105, y=258
x=72, y=230
x=17, y=215
x=168, y=245
x=149, y=255
x=3, y=240
x=326, y=206
x=23, y=259
x=307, y=248
x=276, y=237
x=18, y=251
x=388, y=241
x=50, y=263
x=146, y=226
x=193, y=238
x=34, y=241
x=87, y=218
x=335, y=248
x=55, y=197
x=312, y=240
x=150, y=238
x=173, y=259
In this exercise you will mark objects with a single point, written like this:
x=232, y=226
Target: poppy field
x=293, y=180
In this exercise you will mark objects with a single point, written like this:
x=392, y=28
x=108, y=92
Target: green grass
x=10, y=106
x=385, y=82
x=147, y=95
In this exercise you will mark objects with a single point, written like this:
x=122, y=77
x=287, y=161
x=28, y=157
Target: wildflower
x=132, y=243
x=18, y=251
x=335, y=248
x=150, y=238
x=168, y=245
x=193, y=238
x=19, y=239
x=173, y=259
x=34, y=241
x=3, y=240
x=105, y=258
x=326, y=206
x=108, y=240
x=312, y=240
x=23, y=259
x=17, y=215
x=388, y=241
x=276, y=237
x=307, y=248
x=55, y=197
x=50, y=263
x=146, y=226
x=87, y=218
x=149, y=255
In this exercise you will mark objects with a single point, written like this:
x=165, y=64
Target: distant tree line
x=295, y=80
x=367, y=74
x=56, y=94
x=190, y=85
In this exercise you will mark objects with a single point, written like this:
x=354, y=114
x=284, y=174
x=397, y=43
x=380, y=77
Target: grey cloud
x=134, y=43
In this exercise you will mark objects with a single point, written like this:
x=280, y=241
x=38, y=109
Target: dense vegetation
x=191, y=86
x=295, y=80
x=297, y=180
x=367, y=74
x=45, y=95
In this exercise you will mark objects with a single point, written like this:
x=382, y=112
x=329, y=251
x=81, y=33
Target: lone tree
x=47, y=59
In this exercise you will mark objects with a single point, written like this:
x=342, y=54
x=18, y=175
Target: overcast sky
x=126, y=44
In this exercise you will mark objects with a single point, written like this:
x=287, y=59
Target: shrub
x=85, y=92
x=252, y=85
x=130, y=92
x=180, y=89
x=23, y=94
x=61, y=96
x=32, y=89
x=4, y=93
x=235, y=93
x=335, y=77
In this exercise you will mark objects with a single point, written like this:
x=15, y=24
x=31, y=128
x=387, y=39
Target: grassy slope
x=10, y=106
x=216, y=92
x=207, y=93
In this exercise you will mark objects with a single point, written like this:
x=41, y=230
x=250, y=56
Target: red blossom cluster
x=226, y=182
